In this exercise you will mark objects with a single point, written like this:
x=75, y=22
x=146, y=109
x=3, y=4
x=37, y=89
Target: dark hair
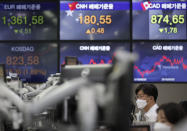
x=173, y=112
x=184, y=106
x=148, y=89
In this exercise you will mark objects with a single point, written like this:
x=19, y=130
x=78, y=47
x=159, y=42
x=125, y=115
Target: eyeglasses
x=140, y=96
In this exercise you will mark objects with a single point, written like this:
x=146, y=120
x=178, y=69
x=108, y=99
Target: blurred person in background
x=168, y=115
x=184, y=106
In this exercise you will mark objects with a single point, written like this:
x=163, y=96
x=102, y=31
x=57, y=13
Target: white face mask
x=161, y=127
x=141, y=104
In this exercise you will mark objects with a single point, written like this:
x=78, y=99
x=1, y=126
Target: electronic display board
x=160, y=62
x=91, y=53
x=159, y=19
x=91, y=20
x=28, y=20
x=33, y=62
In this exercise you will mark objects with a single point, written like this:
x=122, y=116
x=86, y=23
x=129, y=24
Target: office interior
x=76, y=65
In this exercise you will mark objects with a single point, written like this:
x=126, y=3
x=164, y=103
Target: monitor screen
x=91, y=52
x=28, y=20
x=93, y=72
x=33, y=62
x=160, y=62
x=91, y=20
x=158, y=19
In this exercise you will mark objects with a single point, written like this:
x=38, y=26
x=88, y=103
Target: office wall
x=168, y=92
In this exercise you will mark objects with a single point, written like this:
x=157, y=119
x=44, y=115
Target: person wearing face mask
x=146, y=96
x=168, y=115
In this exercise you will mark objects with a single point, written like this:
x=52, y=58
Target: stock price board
x=94, y=20
x=158, y=20
x=29, y=60
x=28, y=21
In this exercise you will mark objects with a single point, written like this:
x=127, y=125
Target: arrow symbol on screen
x=161, y=30
x=16, y=31
x=88, y=31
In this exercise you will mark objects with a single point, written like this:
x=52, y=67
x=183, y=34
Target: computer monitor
x=71, y=60
x=140, y=128
x=93, y=72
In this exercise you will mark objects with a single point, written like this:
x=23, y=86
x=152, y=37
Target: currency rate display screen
x=158, y=19
x=94, y=20
x=91, y=53
x=28, y=21
x=160, y=62
x=32, y=62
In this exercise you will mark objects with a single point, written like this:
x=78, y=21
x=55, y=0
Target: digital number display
x=28, y=21
x=91, y=53
x=20, y=60
x=94, y=20
x=158, y=20
x=29, y=60
x=160, y=62
x=19, y=20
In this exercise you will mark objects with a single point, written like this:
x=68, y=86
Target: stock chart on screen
x=28, y=20
x=160, y=62
x=91, y=53
x=32, y=62
x=94, y=20
x=159, y=19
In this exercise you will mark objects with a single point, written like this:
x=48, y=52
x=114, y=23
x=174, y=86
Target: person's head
x=146, y=95
x=184, y=106
x=170, y=114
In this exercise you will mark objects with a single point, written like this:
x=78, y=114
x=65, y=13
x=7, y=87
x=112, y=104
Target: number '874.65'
x=175, y=19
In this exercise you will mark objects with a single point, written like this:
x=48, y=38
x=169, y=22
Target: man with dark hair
x=146, y=96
